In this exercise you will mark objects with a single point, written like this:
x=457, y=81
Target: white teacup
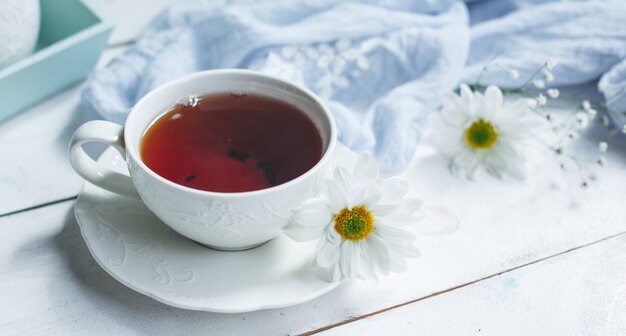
x=225, y=221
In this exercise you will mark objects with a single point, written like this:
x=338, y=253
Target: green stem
x=530, y=79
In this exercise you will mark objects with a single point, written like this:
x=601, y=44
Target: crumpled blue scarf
x=380, y=65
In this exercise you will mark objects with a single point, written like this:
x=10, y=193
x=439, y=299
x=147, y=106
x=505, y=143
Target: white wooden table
x=526, y=259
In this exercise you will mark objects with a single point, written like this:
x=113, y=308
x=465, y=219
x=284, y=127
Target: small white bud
x=547, y=75
x=538, y=83
x=582, y=120
x=553, y=93
x=541, y=99
x=513, y=74
x=603, y=146
x=342, y=44
x=591, y=113
x=586, y=105
x=550, y=63
x=624, y=129
x=605, y=121
x=532, y=103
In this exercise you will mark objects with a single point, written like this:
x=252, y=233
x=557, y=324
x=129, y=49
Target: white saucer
x=141, y=252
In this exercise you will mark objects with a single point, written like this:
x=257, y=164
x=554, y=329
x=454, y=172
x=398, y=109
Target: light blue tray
x=71, y=38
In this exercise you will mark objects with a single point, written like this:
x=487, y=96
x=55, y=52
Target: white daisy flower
x=358, y=220
x=484, y=131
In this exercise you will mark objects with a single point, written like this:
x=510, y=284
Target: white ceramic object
x=225, y=221
x=19, y=29
x=138, y=250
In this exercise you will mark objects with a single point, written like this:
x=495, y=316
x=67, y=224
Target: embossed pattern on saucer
x=137, y=249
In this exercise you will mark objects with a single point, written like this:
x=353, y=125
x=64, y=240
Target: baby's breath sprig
x=536, y=81
x=537, y=90
x=569, y=130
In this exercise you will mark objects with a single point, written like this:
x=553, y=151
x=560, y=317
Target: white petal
x=335, y=273
x=466, y=93
x=303, y=233
x=349, y=260
x=518, y=170
x=313, y=212
x=393, y=234
x=408, y=207
x=336, y=197
x=398, y=220
x=465, y=158
x=328, y=254
x=405, y=250
x=332, y=235
x=367, y=268
x=506, y=158
x=383, y=209
x=448, y=142
x=371, y=195
x=343, y=178
x=496, y=164
x=475, y=106
x=453, y=111
x=378, y=253
x=394, y=189
x=493, y=100
x=507, y=151
x=398, y=264
x=473, y=167
x=469, y=160
x=494, y=171
x=515, y=110
x=366, y=170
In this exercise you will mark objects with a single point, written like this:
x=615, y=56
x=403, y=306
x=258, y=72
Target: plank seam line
x=361, y=317
x=37, y=206
x=115, y=45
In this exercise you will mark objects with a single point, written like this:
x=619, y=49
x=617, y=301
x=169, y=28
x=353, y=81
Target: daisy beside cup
x=360, y=221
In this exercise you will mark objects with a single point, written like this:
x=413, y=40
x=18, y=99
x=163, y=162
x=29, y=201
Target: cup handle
x=108, y=133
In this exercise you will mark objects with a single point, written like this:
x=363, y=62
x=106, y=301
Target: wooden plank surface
x=582, y=292
x=502, y=225
x=33, y=146
x=50, y=284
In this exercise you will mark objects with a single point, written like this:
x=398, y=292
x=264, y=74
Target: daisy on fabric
x=479, y=130
x=561, y=129
x=360, y=222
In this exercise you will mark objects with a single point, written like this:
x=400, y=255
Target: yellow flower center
x=354, y=224
x=481, y=135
